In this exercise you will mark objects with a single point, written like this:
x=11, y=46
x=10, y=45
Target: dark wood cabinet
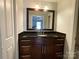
x=46, y=45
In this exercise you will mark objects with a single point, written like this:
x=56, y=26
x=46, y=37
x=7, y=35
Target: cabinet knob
x=42, y=49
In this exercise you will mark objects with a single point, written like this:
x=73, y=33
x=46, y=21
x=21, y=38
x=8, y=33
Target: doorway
x=37, y=22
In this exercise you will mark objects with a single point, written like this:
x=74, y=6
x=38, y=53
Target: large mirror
x=40, y=19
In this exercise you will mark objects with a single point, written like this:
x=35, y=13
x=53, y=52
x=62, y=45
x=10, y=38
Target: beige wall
x=19, y=15
x=65, y=23
x=0, y=46
x=31, y=4
x=18, y=22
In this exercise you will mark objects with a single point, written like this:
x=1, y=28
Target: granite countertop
x=45, y=33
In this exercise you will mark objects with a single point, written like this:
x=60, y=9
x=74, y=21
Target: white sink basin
x=42, y=35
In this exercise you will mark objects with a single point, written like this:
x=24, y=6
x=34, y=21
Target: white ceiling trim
x=45, y=0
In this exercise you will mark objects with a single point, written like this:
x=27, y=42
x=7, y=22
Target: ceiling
x=46, y=0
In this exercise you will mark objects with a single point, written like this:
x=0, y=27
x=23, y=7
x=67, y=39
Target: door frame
x=2, y=36
x=15, y=30
x=73, y=53
x=76, y=22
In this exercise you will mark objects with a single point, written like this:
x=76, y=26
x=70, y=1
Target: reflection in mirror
x=40, y=19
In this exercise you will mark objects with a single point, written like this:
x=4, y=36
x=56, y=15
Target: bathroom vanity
x=41, y=44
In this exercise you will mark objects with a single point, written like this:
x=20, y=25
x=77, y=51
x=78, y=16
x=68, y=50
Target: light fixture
x=45, y=8
x=40, y=4
x=37, y=7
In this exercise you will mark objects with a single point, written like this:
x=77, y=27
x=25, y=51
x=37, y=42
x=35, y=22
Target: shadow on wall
x=77, y=45
x=66, y=50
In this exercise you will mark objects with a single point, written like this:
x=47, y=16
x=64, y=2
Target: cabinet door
x=36, y=52
x=50, y=52
x=37, y=48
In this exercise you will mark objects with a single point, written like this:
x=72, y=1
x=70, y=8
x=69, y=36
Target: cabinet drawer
x=24, y=50
x=59, y=55
x=59, y=47
x=25, y=57
x=59, y=41
x=25, y=42
x=38, y=41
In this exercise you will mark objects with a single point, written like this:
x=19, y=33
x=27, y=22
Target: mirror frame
x=33, y=9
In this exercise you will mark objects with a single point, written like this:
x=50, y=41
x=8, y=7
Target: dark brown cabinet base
x=49, y=45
